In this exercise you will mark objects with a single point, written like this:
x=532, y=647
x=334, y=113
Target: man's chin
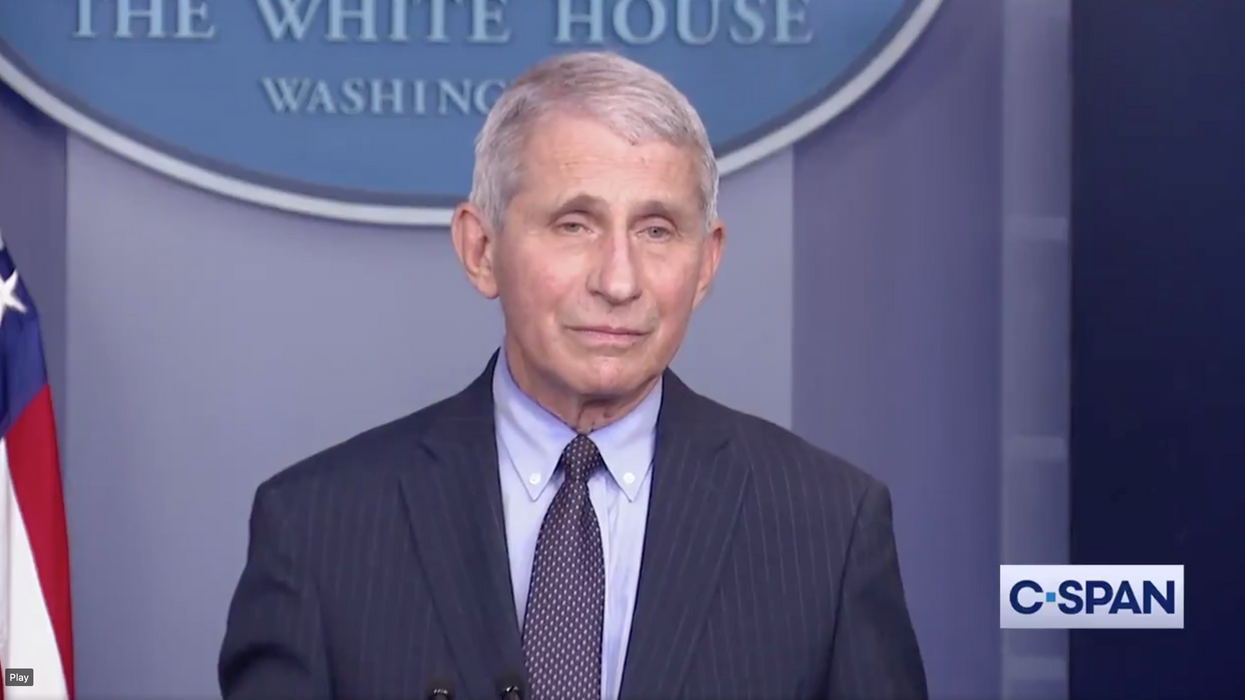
x=610, y=383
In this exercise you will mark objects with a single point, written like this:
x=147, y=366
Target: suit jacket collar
x=454, y=505
x=455, y=509
x=698, y=488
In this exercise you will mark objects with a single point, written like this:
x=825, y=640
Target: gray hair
x=635, y=102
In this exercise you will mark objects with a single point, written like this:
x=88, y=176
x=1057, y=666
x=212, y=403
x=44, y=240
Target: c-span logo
x=366, y=110
x=1091, y=597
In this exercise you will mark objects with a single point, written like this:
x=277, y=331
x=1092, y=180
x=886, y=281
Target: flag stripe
x=38, y=553
x=30, y=641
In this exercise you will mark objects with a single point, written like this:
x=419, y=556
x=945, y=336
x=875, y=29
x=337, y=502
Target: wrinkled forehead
x=568, y=157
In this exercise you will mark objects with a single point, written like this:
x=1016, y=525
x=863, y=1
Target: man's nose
x=617, y=276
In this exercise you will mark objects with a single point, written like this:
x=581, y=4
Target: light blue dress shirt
x=529, y=442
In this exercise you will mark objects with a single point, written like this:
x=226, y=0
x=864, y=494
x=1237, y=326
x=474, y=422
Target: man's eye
x=571, y=227
x=658, y=232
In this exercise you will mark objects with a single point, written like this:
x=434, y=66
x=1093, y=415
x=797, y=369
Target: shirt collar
x=532, y=439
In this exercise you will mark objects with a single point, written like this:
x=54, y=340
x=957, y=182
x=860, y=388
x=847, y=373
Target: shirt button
x=629, y=478
x=534, y=479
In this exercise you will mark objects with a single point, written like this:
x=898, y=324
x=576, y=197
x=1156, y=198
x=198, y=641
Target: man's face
x=603, y=255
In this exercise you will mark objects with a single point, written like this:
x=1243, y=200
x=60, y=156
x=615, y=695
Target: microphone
x=510, y=687
x=441, y=689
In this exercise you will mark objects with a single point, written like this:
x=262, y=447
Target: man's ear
x=473, y=239
x=710, y=258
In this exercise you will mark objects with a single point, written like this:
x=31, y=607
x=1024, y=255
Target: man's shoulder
x=370, y=455
x=774, y=451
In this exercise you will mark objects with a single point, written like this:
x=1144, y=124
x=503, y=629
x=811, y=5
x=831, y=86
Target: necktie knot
x=580, y=459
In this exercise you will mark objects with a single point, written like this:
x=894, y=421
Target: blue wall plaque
x=365, y=110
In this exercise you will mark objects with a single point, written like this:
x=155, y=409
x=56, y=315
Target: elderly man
x=577, y=524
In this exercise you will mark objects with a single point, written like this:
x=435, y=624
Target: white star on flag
x=8, y=292
x=8, y=296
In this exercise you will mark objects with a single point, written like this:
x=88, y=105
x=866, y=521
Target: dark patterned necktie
x=566, y=600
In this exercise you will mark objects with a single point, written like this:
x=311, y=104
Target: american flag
x=35, y=627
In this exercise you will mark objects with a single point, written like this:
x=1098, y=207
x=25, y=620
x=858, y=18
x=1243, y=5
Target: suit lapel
x=455, y=510
x=698, y=486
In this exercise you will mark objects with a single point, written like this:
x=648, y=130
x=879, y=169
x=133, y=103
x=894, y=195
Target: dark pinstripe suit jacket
x=769, y=568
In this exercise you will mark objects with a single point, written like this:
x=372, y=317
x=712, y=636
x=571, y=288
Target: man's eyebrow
x=662, y=209
x=581, y=203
